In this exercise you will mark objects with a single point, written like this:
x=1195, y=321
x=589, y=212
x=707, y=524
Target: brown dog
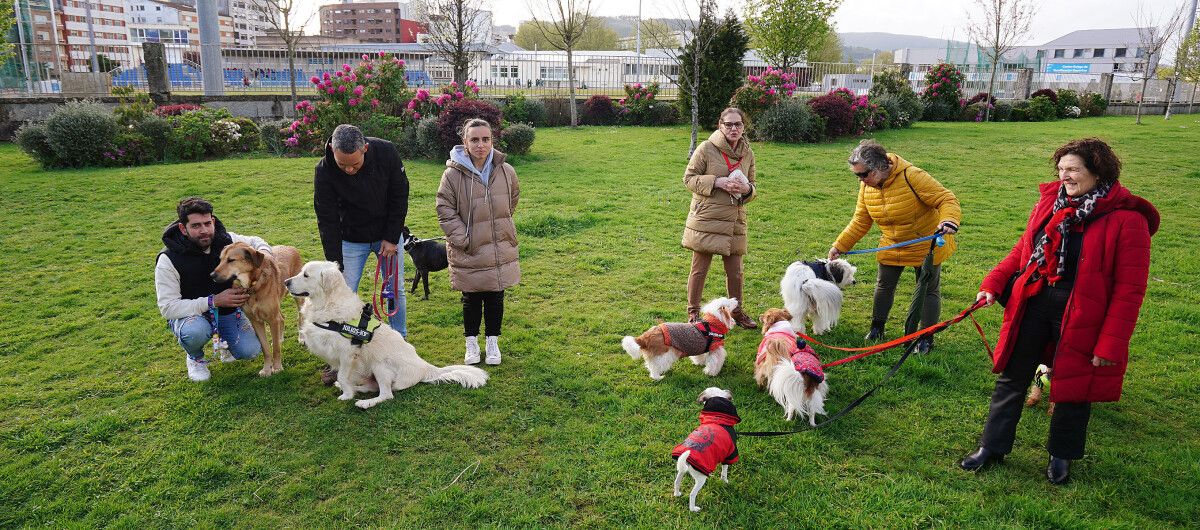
x=262, y=276
x=702, y=342
x=774, y=350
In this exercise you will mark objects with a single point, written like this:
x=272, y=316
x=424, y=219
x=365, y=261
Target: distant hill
x=891, y=41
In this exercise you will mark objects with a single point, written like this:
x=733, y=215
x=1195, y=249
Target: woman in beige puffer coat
x=720, y=176
x=475, y=204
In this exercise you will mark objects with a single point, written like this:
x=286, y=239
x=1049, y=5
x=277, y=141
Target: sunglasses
x=732, y=124
x=863, y=174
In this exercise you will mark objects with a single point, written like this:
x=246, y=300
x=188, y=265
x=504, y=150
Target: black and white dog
x=814, y=289
x=427, y=255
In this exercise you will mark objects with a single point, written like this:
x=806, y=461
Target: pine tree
x=720, y=71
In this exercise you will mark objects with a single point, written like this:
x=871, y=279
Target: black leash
x=853, y=404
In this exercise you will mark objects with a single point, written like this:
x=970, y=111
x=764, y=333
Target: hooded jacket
x=181, y=274
x=911, y=204
x=366, y=207
x=716, y=221
x=1110, y=284
x=714, y=442
x=478, y=222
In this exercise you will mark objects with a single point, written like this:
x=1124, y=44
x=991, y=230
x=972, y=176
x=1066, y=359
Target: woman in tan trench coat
x=720, y=176
x=475, y=204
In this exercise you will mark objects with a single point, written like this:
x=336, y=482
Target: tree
x=284, y=17
x=1181, y=60
x=8, y=19
x=597, y=36
x=996, y=29
x=720, y=70
x=455, y=29
x=1152, y=38
x=107, y=64
x=829, y=51
x=690, y=59
x=563, y=29
x=1187, y=62
x=654, y=32
x=783, y=31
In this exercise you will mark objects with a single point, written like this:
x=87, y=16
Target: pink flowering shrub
x=349, y=94
x=761, y=92
x=943, y=95
x=638, y=104
x=868, y=116
x=431, y=104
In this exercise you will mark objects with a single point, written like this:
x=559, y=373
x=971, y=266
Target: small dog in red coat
x=703, y=342
x=789, y=368
x=713, y=442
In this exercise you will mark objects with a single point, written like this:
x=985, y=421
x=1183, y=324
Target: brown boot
x=744, y=320
x=693, y=315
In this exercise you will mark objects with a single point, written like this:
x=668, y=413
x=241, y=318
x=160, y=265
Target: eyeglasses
x=863, y=174
x=732, y=124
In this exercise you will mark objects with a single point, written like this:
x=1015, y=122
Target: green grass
x=100, y=426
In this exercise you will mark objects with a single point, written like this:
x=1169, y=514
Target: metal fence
x=37, y=69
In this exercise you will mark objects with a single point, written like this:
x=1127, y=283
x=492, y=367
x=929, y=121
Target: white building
x=1094, y=51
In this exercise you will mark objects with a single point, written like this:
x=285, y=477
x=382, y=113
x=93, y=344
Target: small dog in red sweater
x=713, y=442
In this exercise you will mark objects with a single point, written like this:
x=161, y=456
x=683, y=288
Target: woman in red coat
x=1075, y=282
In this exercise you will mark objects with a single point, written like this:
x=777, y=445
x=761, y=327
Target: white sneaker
x=493, y=351
x=472, y=356
x=197, y=370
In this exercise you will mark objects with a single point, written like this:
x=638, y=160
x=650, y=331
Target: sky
x=927, y=18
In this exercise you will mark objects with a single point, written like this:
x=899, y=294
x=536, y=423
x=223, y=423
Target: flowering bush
x=456, y=114
x=635, y=106
x=975, y=112
x=431, y=104
x=1072, y=112
x=226, y=136
x=175, y=110
x=868, y=116
x=836, y=111
x=1067, y=98
x=349, y=95
x=981, y=97
x=1048, y=93
x=1092, y=104
x=943, y=91
x=761, y=92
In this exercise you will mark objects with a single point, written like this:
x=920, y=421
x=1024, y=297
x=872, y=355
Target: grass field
x=100, y=426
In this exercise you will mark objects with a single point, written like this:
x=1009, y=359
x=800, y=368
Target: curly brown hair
x=1097, y=156
x=192, y=205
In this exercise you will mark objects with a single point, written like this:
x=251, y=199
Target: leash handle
x=937, y=236
x=389, y=268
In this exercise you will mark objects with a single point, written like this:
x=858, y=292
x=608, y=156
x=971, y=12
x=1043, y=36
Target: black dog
x=427, y=256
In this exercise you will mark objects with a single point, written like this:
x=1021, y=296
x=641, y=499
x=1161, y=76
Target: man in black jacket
x=360, y=193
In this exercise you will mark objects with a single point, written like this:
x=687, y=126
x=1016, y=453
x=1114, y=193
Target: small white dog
x=738, y=176
x=384, y=364
x=713, y=442
x=703, y=342
x=813, y=289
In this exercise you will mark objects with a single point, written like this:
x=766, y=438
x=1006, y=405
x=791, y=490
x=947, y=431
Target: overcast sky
x=927, y=18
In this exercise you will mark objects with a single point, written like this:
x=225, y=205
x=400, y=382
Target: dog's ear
x=836, y=270
x=329, y=278
x=255, y=257
x=728, y=315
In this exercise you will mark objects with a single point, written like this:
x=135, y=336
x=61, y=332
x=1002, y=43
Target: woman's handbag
x=1003, y=296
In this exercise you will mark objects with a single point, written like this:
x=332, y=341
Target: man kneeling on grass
x=190, y=300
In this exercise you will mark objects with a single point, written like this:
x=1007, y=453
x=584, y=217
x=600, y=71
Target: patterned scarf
x=1050, y=251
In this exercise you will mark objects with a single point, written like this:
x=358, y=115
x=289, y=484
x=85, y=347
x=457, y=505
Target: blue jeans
x=354, y=258
x=194, y=332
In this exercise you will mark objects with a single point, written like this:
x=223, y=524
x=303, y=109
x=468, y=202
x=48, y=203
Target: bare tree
x=690, y=56
x=996, y=29
x=1182, y=57
x=563, y=28
x=1152, y=38
x=284, y=17
x=456, y=30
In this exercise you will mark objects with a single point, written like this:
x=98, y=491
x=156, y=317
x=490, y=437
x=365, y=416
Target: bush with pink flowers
x=868, y=116
x=637, y=107
x=761, y=92
x=943, y=92
x=431, y=103
x=351, y=94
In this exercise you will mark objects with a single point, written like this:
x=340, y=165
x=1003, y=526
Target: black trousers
x=1068, y=426
x=487, y=306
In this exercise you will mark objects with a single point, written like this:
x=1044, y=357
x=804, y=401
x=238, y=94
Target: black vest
x=195, y=266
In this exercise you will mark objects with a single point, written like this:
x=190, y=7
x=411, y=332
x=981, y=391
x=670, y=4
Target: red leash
x=390, y=269
x=872, y=350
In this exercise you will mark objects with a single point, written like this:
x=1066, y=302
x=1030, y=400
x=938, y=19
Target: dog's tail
x=632, y=347
x=825, y=299
x=467, y=376
x=681, y=464
x=789, y=387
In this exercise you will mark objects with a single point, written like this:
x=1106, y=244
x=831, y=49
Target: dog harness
x=358, y=335
x=804, y=358
x=714, y=442
x=695, y=339
x=820, y=270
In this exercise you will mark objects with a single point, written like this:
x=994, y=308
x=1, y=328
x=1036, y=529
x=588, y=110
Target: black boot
x=1058, y=471
x=876, y=333
x=981, y=457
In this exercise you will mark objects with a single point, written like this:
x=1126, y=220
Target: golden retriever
x=262, y=275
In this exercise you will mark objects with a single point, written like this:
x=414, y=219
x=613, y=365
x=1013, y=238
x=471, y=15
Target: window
x=1098, y=52
x=1059, y=54
x=1119, y=52
x=553, y=72
x=1079, y=52
x=1141, y=53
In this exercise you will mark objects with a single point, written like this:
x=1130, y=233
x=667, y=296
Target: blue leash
x=941, y=241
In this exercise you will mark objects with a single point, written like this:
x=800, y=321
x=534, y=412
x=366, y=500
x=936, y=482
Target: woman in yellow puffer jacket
x=906, y=203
